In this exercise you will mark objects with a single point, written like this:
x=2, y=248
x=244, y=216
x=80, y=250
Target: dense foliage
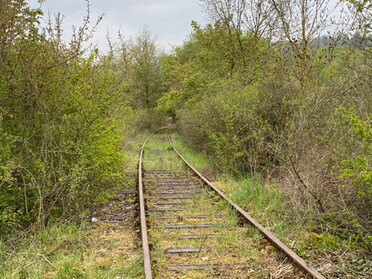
x=64, y=112
x=286, y=102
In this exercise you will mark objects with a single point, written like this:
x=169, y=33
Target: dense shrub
x=62, y=112
x=299, y=117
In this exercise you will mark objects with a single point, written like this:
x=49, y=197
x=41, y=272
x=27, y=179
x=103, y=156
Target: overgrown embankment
x=66, y=110
x=332, y=255
x=103, y=244
x=277, y=99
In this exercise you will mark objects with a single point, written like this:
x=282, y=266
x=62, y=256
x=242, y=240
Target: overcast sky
x=168, y=20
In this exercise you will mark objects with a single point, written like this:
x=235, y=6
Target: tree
x=146, y=84
x=300, y=23
x=246, y=26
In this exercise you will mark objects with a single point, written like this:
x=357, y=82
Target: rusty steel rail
x=144, y=236
x=280, y=245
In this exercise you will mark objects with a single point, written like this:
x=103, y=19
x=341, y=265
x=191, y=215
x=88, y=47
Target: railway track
x=191, y=230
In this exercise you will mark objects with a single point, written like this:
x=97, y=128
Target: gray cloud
x=168, y=20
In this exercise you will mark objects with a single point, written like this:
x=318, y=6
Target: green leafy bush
x=355, y=164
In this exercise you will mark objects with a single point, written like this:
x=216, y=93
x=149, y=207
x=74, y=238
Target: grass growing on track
x=158, y=155
x=234, y=244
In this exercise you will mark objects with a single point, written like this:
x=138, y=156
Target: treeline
x=65, y=111
x=260, y=92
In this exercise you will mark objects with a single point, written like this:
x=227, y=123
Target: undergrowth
x=72, y=251
x=335, y=257
x=67, y=249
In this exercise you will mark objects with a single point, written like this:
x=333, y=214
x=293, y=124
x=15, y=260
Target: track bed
x=194, y=233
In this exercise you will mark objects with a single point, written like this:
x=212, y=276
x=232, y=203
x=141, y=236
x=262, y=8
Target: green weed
x=72, y=251
x=199, y=160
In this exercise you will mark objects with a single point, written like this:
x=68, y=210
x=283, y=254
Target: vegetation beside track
x=78, y=247
x=335, y=257
x=237, y=250
x=74, y=251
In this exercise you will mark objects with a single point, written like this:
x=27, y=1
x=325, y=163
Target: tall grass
x=199, y=160
x=249, y=191
x=32, y=256
x=264, y=202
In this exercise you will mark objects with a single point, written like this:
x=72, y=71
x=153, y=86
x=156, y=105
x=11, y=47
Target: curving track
x=195, y=231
